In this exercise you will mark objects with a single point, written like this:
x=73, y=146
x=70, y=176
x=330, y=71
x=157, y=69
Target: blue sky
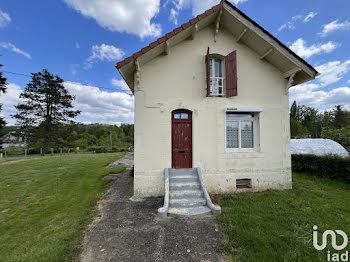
x=80, y=40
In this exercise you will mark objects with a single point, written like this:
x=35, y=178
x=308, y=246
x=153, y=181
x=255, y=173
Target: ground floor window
x=241, y=131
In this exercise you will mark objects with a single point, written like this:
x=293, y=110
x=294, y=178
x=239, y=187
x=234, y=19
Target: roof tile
x=162, y=39
x=168, y=36
x=145, y=49
x=177, y=30
x=186, y=25
x=137, y=54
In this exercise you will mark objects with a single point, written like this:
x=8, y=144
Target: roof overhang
x=246, y=32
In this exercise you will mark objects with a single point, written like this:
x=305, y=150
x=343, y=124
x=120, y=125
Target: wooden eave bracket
x=217, y=25
x=241, y=34
x=194, y=31
x=167, y=48
x=137, y=75
x=266, y=53
x=291, y=80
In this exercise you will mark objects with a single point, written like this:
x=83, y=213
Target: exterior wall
x=178, y=80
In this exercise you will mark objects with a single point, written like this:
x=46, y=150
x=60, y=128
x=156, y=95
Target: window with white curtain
x=241, y=131
x=217, y=77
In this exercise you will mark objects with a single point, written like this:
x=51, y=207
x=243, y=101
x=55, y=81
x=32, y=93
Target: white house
x=213, y=94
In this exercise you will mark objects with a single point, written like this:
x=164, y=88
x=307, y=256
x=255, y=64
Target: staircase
x=185, y=194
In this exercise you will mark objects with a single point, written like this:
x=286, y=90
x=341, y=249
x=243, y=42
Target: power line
x=99, y=87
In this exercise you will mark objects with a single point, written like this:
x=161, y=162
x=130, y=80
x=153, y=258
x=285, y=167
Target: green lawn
x=277, y=226
x=46, y=203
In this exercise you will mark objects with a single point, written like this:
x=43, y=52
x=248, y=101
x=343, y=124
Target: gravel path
x=131, y=231
x=127, y=161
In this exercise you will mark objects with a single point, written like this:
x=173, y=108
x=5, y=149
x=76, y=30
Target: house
x=12, y=140
x=213, y=94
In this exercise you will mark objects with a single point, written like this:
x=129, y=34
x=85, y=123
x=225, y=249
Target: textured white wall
x=179, y=81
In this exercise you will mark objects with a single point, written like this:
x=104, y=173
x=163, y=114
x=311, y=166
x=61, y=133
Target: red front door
x=181, y=138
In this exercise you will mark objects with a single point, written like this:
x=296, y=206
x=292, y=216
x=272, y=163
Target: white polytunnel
x=315, y=146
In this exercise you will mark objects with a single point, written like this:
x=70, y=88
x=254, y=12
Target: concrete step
x=184, y=179
x=188, y=202
x=184, y=185
x=179, y=172
x=190, y=211
x=186, y=193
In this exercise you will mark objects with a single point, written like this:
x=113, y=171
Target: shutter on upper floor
x=207, y=62
x=231, y=74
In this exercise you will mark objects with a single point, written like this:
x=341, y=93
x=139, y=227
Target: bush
x=329, y=166
x=13, y=151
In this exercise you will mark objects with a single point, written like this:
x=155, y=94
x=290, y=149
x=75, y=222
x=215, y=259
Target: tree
x=297, y=130
x=294, y=111
x=47, y=105
x=341, y=117
x=3, y=84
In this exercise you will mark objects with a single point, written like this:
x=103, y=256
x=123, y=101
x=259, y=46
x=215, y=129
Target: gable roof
x=240, y=25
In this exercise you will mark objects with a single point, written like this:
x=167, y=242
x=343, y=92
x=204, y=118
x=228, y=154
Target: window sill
x=216, y=96
x=242, y=150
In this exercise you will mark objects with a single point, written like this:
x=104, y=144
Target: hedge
x=329, y=166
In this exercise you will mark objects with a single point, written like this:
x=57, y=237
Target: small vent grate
x=243, y=183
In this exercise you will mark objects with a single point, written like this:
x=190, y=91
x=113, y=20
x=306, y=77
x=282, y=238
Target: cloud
x=99, y=106
x=133, y=17
x=321, y=98
x=332, y=72
x=9, y=100
x=315, y=94
x=301, y=49
x=104, y=53
x=13, y=48
x=198, y=6
x=77, y=45
x=173, y=16
x=120, y=83
x=334, y=26
x=295, y=19
x=309, y=17
x=5, y=19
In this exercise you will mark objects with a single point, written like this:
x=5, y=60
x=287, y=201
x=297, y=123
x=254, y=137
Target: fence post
x=41, y=151
x=51, y=151
x=61, y=151
x=25, y=152
x=5, y=154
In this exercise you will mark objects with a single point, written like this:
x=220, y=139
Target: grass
x=277, y=226
x=46, y=203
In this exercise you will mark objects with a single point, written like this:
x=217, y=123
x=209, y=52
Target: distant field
x=277, y=226
x=45, y=204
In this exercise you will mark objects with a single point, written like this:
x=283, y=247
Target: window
x=181, y=116
x=241, y=131
x=221, y=74
x=216, y=77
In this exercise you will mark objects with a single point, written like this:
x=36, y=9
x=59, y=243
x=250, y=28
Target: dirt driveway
x=131, y=231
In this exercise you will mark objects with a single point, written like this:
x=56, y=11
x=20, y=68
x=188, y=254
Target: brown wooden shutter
x=231, y=74
x=207, y=61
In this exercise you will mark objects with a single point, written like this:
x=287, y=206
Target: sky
x=81, y=40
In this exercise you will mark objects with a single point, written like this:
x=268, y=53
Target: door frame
x=173, y=120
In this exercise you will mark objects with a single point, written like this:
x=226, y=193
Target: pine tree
x=3, y=83
x=294, y=111
x=47, y=105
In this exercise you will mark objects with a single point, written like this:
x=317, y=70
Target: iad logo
x=332, y=234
